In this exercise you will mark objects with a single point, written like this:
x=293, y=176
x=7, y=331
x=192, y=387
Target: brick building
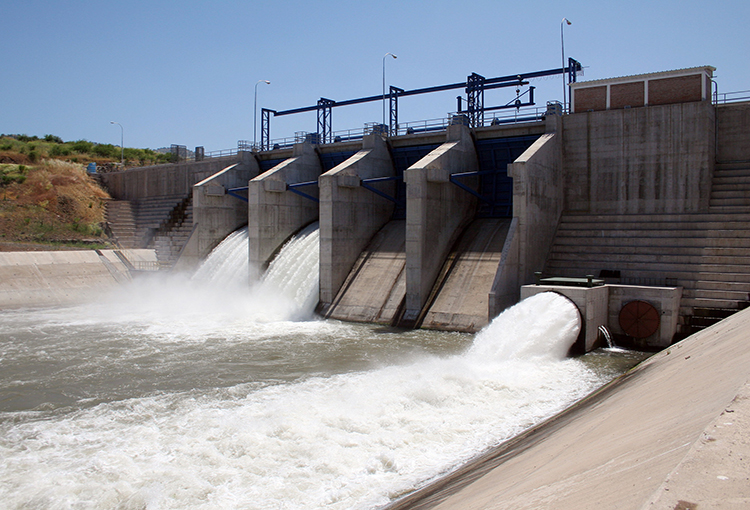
x=667, y=87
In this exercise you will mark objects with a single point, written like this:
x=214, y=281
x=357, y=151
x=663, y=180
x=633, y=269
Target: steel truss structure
x=474, y=87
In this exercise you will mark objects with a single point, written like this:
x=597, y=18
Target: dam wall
x=350, y=215
x=652, y=157
x=657, y=159
x=274, y=212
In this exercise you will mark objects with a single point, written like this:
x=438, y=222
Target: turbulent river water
x=205, y=393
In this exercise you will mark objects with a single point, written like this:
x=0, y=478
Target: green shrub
x=53, y=139
x=12, y=173
x=106, y=151
x=59, y=150
x=82, y=146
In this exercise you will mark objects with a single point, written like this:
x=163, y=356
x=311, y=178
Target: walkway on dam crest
x=674, y=433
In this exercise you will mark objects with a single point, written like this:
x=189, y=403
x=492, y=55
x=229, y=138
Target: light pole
x=562, y=45
x=384, y=57
x=122, y=147
x=255, y=111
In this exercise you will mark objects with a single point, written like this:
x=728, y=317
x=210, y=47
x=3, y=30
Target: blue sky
x=185, y=72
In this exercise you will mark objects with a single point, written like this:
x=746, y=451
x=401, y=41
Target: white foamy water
x=294, y=273
x=219, y=405
x=228, y=263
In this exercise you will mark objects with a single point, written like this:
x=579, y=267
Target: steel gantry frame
x=265, y=128
x=474, y=86
x=325, y=127
x=475, y=99
x=393, y=117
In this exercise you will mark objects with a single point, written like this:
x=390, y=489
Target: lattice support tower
x=393, y=118
x=475, y=99
x=265, y=128
x=325, y=129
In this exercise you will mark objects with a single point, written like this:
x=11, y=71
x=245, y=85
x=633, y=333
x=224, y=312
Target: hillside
x=47, y=199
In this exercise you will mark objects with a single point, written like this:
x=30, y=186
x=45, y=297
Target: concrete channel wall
x=54, y=278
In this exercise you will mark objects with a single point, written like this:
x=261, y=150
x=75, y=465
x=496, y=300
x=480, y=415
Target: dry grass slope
x=54, y=202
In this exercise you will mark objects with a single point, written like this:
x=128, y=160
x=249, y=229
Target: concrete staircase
x=120, y=215
x=730, y=189
x=173, y=235
x=706, y=254
x=152, y=215
x=163, y=223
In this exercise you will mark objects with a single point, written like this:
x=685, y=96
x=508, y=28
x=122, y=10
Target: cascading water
x=228, y=262
x=181, y=394
x=295, y=271
x=292, y=277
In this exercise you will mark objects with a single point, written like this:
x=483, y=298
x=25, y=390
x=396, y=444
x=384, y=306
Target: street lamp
x=122, y=147
x=562, y=44
x=384, y=57
x=255, y=111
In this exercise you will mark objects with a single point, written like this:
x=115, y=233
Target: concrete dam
x=635, y=204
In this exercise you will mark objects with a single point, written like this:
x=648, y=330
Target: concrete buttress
x=436, y=213
x=350, y=215
x=274, y=212
x=215, y=213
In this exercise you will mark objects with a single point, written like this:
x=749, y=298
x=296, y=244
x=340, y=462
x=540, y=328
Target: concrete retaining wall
x=53, y=278
x=162, y=180
x=733, y=138
x=657, y=159
x=350, y=215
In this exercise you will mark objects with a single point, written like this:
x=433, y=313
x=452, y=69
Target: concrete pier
x=436, y=213
x=275, y=213
x=537, y=205
x=217, y=214
x=350, y=215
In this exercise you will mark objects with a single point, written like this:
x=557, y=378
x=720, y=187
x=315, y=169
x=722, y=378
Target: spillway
x=188, y=393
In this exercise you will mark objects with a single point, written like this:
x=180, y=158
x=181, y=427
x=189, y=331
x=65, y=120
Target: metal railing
x=731, y=97
x=224, y=152
x=146, y=265
x=504, y=117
